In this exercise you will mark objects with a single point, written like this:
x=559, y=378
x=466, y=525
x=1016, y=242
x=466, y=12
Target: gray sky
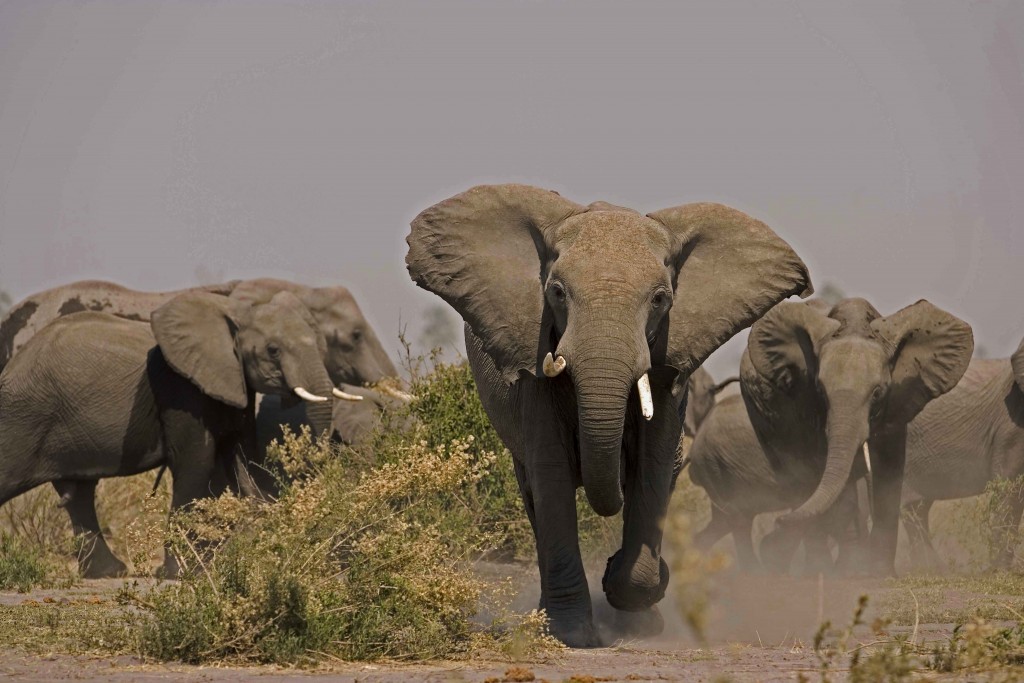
x=157, y=143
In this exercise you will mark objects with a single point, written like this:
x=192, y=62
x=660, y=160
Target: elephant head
x=230, y=349
x=353, y=353
x=599, y=292
x=868, y=374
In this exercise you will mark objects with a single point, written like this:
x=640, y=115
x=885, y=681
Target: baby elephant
x=92, y=395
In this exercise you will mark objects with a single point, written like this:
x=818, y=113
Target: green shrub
x=343, y=565
x=23, y=566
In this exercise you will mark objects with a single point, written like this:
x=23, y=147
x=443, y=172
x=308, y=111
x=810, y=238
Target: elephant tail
x=159, y=477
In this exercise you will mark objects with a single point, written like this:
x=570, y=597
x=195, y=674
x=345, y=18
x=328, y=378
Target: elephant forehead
x=853, y=358
x=617, y=235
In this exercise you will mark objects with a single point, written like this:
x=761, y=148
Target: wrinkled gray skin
x=817, y=387
x=352, y=422
x=92, y=395
x=700, y=399
x=617, y=295
x=351, y=350
x=33, y=313
x=961, y=441
x=354, y=354
x=727, y=461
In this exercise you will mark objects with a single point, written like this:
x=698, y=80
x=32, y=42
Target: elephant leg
x=637, y=575
x=714, y=530
x=888, y=455
x=819, y=555
x=915, y=521
x=778, y=547
x=1007, y=523
x=549, y=496
x=194, y=472
x=743, y=538
x=95, y=559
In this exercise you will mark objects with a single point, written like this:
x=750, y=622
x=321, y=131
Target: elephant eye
x=357, y=335
x=274, y=350
x=659, y=298
x=558, y=292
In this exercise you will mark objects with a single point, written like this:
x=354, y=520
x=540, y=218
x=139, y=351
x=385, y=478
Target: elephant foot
x=574, y=633
x=95, y=561
x=646, y=623
x=625, y=592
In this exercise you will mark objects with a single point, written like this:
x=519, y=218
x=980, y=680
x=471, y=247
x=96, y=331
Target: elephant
x=962, y=440
x=353, y=352
x=817, y=387
x=33, y=313
x=701, y=397
x=578, y=321
x=352, y=422
x=92, y=395
x=727, y=461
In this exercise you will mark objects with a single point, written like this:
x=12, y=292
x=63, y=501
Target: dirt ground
x=759, y=629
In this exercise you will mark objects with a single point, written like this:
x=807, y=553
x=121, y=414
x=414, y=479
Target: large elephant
x=33, y=313
x=962, y=440
x=578, y=321
x=92, y=395
x=817, y=387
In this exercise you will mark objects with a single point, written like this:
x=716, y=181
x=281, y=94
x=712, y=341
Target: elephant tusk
x=553, y=367
x=867, y=457
x=306, y=396
x=345, y=396
x=397, y=393
x=643, y=385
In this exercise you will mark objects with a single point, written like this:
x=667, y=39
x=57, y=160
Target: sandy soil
x=759, y=629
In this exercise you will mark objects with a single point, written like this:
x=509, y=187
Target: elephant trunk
x=847, y=430
x=604, y=376
x=309, y=373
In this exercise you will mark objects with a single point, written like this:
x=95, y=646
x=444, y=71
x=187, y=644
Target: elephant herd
x=102, y=381
x=585, y=328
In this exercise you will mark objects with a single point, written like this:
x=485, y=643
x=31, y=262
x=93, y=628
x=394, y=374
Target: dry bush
x=347, y=565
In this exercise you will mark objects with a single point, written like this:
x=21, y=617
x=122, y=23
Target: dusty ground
x=759, y=629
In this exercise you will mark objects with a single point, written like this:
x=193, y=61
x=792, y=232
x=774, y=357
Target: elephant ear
x=730, y=270
x=196, y=334
x=783, y=344
x=931, y=352
x=1017, y=362
x=482, y=251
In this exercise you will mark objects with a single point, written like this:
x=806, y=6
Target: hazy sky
x=157, y=143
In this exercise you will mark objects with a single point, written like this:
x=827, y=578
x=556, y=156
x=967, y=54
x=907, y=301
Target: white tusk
x=553, y=367
x=867, y=457
x=345, y=396
x=643, y=385
x=306, y=396
x=397, y=393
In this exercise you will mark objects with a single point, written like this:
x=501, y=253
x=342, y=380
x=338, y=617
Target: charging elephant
x=33, y=313
x=818, y=387
x=578, y=321
x=961, y=441
x=728, y=462
x=92, y=395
